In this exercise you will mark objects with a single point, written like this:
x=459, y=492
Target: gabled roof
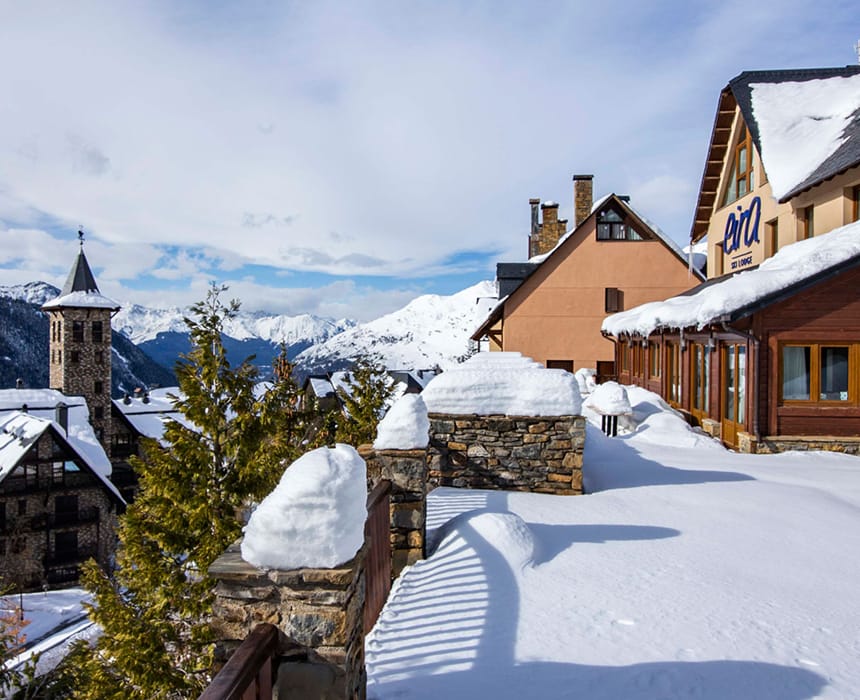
x=20, y=431
x=81, y=290
x=534, y=263
x=792, y=269
x=805, y=132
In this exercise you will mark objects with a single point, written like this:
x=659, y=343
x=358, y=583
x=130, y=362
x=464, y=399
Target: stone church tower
x=80, y=344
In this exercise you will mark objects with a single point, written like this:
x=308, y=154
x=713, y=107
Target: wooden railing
x=249, y=673
x=377, y=533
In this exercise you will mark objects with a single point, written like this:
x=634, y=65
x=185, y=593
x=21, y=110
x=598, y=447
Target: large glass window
x=741, y=179
x=653, y=360
x=818, y=372
x=701, y=373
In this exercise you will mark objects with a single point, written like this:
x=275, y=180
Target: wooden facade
x=729, y=377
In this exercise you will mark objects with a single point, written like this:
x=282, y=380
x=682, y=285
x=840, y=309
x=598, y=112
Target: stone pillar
x=321, y=610
x=407, y=471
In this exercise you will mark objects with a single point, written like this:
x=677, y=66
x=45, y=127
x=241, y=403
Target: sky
x=340, y=158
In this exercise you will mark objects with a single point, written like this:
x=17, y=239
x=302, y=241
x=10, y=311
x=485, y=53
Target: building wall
x=93, y=363
x=831, y=202
x=557, y=312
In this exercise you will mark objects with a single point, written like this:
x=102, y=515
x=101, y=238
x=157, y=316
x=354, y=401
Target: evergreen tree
x=369, y=388
x=224, y=450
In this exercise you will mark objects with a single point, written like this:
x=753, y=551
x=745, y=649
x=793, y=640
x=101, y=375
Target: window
x=772, y=237
x=613, y=300
x=22, y=508
x=99, y=413
x=66, y=510
x=855, y=203
x=566, y=365
x=66, y=546
x=806, y=223
x=740, y=174
x=98, y=387
x=673, y=368
x=100, y=357
x=78, y=331
x=612, y=227
x=653, y=360
x=701, y=370
x=74, y=357
x=624, y=351
x=734, y=383
x=819, y=372
x=98, y=334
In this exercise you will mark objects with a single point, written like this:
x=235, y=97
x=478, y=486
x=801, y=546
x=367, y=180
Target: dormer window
x=741, y=178
x=611, y=226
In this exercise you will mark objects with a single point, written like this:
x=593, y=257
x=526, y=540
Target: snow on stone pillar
x=300, y=566
x=399, y=454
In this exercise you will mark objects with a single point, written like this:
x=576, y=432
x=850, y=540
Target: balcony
x=69, y=558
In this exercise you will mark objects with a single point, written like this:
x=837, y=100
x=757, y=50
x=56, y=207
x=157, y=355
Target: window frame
x=815, y=373
x=77, y=331
x=735, y=174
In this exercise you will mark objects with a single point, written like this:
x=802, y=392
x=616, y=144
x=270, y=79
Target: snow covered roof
x=148, y=413
x=19, y=431
x=805, y=124
x=43, y=403
x=503, y=383
x=790, y=270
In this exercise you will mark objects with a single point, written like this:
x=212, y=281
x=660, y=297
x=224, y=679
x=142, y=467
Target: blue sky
x=342, y=158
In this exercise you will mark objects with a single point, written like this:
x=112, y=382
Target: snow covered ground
x=688, y=572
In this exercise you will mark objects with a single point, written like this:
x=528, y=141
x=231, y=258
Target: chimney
x=534, y=230
x=583, y=198
x=19, y=383
x=62, y=416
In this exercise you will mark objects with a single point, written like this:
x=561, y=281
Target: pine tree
x=369, y=388
x=225, y=450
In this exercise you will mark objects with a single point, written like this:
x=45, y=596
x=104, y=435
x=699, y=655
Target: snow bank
x=405, y=426
x=314, y=517
x=508, y=533
x=510, y=385
x=801, y=124
x=585, y=377
x=792, y=264
x=610, y=399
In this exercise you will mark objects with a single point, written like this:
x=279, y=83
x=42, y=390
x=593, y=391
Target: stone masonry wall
x=407, y=471
x=512, y=453
x=319, y=609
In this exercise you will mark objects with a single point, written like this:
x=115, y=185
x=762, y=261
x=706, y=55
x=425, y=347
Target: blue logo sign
x=743, y=225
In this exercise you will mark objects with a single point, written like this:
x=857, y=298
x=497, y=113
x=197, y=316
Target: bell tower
x=80, y=344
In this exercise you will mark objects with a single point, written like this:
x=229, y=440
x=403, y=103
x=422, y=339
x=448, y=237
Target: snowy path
x=689, y=572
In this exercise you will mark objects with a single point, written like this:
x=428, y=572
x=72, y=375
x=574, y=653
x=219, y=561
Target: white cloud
x=371, y=141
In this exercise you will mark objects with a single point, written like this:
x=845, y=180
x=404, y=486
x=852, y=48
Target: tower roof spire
x=80, y=289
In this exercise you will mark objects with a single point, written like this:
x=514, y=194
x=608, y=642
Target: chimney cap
x=548, y=205
x=583, y=177
x=534, y=200
x=623, y=197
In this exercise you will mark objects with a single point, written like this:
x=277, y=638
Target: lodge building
x=765, y=354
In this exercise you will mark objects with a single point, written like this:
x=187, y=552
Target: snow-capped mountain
x=32, y=292
x=431, y=330
x=141, y=324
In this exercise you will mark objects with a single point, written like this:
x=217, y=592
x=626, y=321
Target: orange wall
x=556, y=314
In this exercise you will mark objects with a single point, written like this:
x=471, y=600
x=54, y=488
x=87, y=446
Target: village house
x=58, y=506
x=551, y=307
x=766, y=353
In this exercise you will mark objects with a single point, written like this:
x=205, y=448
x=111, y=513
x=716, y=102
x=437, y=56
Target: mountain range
x=431, y=330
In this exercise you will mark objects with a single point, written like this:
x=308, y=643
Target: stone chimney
x=549, y=231
x=583, y=198
x=534, y=230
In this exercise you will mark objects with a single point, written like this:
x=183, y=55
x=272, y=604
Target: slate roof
x=80, y=289
x=739, y=92
x=846, y=156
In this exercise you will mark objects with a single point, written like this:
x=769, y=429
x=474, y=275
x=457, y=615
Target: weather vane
x=81, y=235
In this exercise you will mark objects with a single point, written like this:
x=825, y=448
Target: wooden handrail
x=248, y=673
